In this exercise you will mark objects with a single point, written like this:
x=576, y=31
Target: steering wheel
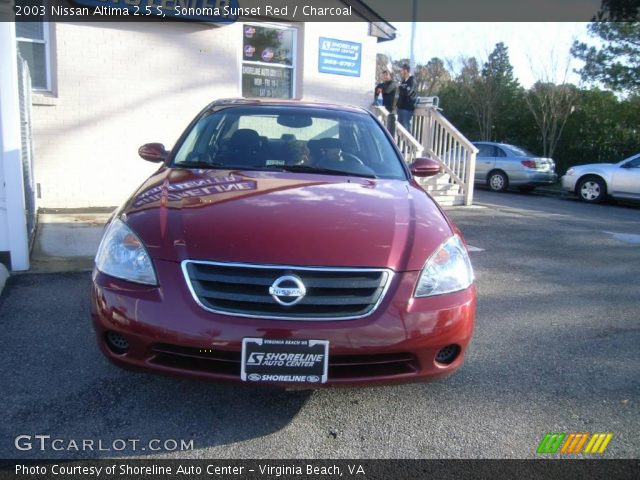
x=350, y=157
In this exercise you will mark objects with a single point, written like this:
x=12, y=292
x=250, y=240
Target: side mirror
x=424, y=167
x=153, y=152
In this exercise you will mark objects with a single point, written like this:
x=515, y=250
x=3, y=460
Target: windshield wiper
x=195, y=165
x=219, y=166
x=280, y=168
x=324, y=171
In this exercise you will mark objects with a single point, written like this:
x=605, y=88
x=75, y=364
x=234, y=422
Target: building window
x=268, y=61
x=33, y=44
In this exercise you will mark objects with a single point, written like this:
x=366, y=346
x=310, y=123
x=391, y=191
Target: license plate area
x=284, y=360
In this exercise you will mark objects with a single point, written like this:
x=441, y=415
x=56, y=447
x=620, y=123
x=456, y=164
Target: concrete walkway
x=66, y=242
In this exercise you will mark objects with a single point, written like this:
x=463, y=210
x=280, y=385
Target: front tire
x=497, y=181
x=592, y=190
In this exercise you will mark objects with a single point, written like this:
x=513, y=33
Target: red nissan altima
x=284, y=243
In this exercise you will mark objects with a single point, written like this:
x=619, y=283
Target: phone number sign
x=339, y=57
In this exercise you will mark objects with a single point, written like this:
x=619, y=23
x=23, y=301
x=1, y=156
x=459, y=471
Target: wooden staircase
x=443, y=190
x=435, y=137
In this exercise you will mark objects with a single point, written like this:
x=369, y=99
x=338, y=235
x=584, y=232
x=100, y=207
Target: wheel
x=591, y=190
x=526, y=189
x=497, y=181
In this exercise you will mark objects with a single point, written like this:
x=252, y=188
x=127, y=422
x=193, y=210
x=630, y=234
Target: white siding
x=340, y=89
x=121, y=85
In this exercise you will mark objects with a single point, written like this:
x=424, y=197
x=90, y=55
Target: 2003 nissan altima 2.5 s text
x=284, y=243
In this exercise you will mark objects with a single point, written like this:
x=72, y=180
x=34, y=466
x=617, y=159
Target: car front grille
x=227, y=363
x=244, y=290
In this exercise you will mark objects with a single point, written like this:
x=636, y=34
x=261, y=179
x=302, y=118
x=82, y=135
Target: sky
x=538, y=51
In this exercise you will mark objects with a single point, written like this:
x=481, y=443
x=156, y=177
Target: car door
x=625, y=181
x=485, y=161
x=507, y=163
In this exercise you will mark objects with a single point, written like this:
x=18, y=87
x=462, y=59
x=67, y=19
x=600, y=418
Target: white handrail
x=445, y=143
x=434, y=134
x=408, y=145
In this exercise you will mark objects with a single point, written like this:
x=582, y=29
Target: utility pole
x=414, y=15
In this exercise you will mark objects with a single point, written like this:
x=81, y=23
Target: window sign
x=267, y=61
x=339, y=57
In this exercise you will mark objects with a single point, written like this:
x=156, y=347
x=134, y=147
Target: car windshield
x=633, y=158
x=298, y=139
x=518, y=151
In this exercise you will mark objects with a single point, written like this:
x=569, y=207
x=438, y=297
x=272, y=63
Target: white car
x=594, y=182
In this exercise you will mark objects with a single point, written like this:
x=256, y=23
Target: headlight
x=121, y=254
x=571, y=171
x=448, y=270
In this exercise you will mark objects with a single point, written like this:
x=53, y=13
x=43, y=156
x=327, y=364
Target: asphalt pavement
x=555, y=350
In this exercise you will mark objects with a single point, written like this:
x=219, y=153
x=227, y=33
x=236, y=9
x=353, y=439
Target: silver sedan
x=594, y=182
x=499, y=165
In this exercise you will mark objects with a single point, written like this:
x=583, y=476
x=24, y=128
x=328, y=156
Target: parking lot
x=555, y=350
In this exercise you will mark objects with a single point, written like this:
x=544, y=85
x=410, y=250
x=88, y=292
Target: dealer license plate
x=284, y=360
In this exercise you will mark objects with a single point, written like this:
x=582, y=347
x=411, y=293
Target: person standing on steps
x=407, y=97
x=385, y=95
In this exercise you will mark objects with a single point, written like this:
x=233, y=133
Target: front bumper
x=569, y=183
x=168, y=332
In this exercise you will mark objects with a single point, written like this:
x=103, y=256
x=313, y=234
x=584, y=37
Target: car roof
x=231, y=102
x=498, y=144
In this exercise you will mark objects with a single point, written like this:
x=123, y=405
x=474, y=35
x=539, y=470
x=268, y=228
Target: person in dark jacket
x=407, y=97
x=387, y=89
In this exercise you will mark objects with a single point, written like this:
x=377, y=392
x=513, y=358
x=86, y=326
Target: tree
x=498, y=67
x=603, y=128
x=551, y=106
x=619, y=11
x=383, y=63
x=508, y=95
x=551, y=100
x=616, y=64
x=432, y=77
x=473, y=88
x=490, y=89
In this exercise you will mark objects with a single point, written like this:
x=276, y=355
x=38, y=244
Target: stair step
x=449, y=200
x=440, y=177
x=439, y=189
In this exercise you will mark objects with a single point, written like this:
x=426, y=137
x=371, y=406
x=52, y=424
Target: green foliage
x=431, y=78
x=616, y=64
x=485, y=102
x=602, y=128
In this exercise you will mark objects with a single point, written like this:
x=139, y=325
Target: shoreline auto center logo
x=573, y=443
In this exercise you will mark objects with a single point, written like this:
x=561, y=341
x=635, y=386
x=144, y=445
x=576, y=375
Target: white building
x=100, y=90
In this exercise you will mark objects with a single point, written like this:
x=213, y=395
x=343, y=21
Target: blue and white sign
x=339, y=57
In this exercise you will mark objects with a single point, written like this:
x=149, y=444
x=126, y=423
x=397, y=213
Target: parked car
x=499, y=166
x=594, y=182
x=284, y=243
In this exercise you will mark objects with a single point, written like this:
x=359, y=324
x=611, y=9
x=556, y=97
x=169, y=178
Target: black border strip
x=379, y=12
x=345, y=469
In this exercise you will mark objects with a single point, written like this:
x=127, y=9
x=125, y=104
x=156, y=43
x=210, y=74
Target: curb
x=4, y=274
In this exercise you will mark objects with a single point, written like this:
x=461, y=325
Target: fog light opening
x=117, y=343
x=448, y=354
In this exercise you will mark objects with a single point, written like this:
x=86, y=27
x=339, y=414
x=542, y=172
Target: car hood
x=591, y=166
x=286, y=218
